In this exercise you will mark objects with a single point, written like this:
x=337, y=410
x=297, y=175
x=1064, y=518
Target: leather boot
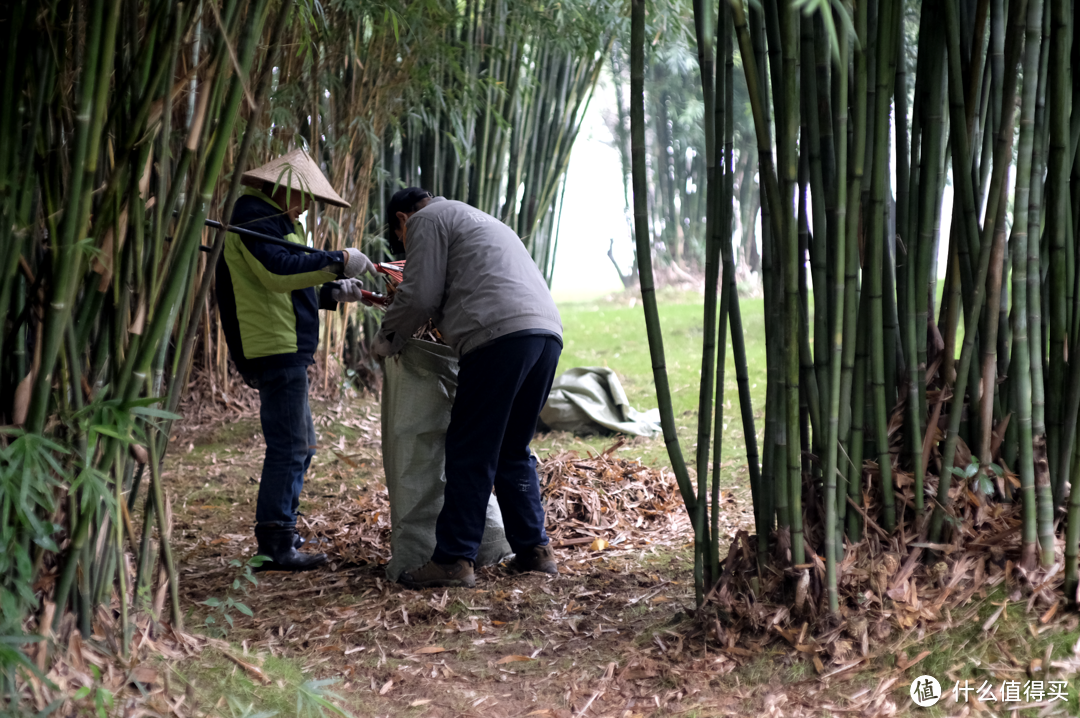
x=277, y=542
x=538, y=559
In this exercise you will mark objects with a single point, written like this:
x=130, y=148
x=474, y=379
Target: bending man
x=472, y=275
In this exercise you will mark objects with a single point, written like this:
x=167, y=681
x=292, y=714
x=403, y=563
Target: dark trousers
x=501, y=388
x=290, y=442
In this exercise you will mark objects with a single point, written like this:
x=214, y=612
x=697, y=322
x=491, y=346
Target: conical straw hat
x=298, y=171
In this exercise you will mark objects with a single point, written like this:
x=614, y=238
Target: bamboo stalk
x=876, y=264
x=97, y=67
x=1036, y=343
x=1002, y=150
x=1057, y=188
x=645, y=274
x=833, y=539
x=703, y=24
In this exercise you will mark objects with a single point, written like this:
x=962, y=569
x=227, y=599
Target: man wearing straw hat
x=471, y=274
x=270, y=316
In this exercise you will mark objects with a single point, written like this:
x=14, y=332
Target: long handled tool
x=394, y=270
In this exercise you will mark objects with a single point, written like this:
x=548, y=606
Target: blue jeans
x=290, y=442
x=501, y=389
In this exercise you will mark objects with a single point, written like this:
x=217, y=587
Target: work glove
x=357, y=263
x=348, y=290
x=381, y=347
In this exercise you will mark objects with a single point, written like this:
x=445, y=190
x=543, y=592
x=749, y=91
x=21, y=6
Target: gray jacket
x=472, y=275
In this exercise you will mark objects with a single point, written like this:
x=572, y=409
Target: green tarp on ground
x=589, y=399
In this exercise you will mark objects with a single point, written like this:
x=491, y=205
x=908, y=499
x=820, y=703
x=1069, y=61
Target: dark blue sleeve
x=326, y=299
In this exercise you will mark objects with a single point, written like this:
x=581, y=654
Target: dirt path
x=609, y=636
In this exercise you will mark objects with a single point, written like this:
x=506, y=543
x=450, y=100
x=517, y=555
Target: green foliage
x=101, y=698
x=313, y=699
x=30, y=479
x=238, y=709
x=981, y=479
x=222, y=608
x=289, y=693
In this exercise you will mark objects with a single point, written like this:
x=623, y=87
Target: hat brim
x=295, y=170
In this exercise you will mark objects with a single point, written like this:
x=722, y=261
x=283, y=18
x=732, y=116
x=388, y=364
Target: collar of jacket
x=299, y=230
x=253, y=192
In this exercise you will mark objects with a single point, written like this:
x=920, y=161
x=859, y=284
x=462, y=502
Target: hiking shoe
x=432, y=575
x=540, y=559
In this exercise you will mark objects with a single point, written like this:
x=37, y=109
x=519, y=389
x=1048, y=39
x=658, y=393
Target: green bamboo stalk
x=848, y=403
x=775, y=503
x=1057, y=196
x=1035, y=287
x=1056, y=230
x=645, y=273
x=907, y=271
x=787, y=128
x=926, y=208
x=724, y=129
x=725, y=124
x=813, y=98
x=1072, y=538
x=703, y=28
x=118, y=538
x=1002, y=154
x=858, y=414
x=833, y=541
x=875, y=265
x=929, y=196
x=94, y=91
x=262, y=88
x=758, y=108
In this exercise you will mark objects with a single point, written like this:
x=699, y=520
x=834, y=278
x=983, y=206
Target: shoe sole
x=518, y=569
x=271, y=566
x=439, y=583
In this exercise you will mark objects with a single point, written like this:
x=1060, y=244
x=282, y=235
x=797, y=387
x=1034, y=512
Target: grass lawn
x=610, y=332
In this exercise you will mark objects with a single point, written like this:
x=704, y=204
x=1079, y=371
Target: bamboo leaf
x=156, y=413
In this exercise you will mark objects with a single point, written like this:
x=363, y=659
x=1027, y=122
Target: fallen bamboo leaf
x=429, y=649
x=904, y=664
x=512, y=659
x=386, y=687
x=250, y=668
x=993, y=619
x=421, y=702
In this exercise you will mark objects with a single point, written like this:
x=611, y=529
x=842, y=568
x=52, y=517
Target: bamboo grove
x=675, y=145
x=99, y=154
x=129, y=123
x=893, y=406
